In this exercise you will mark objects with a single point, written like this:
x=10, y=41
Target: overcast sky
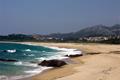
x=49, y=16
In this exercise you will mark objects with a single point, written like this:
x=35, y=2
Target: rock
x=76, y=55
x=8, y=60
x=52, y=63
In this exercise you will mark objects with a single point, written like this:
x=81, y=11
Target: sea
x=27, y=57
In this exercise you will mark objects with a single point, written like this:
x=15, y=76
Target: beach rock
x=52, y=63
x=76, y=55
x=8, y=60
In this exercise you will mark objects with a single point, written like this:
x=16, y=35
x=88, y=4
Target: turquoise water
x=27, y=57
x=24, y=54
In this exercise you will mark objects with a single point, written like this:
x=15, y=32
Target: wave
x=72, y=53
x=61, y=54
x=43, y=51
x=20, y=63
x=59, y=57
x=11, y=51
x=30, y=72
x=62, y=49
x=2, y=77
x=66, y=51
x=28, y=50
x=38, y=70
x=31, y=55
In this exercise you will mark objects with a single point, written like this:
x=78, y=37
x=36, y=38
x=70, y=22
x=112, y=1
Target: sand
x=101, y=62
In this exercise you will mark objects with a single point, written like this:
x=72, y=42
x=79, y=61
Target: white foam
x=61, y=54
x=26, y=64
x=18, y=63
x=2, y=77
x=43, y=51
x=29, y=73
x=72, y=53
x=11, y=51
x=59, y=57
x=41, y=58
x=28, y=50
x=39, y=70
x=28, y=43
x=31, y=55
x=15, y=77
x=66, y=51
x=62, y=49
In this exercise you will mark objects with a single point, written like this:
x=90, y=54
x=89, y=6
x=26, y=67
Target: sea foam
x=20, y=63
x=11, y=51
x=27, y=50
x=57, y=55
x=66, y=51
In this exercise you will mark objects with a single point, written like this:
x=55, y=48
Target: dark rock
x=8, y=60
x=76, y=55
x=52, y=63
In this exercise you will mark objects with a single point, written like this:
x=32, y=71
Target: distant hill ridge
x=94, y=31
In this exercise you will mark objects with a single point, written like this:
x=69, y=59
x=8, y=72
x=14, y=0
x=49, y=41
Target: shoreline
x=44, y=71
x=101, y=62
x=54, y=69
x=89, y=61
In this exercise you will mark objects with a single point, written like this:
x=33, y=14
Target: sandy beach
x=100, y=62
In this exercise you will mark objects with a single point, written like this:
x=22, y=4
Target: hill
x=94, y=31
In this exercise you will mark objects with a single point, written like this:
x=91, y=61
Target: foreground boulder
x=75, y=55
x=52, y=63
x=8, y=60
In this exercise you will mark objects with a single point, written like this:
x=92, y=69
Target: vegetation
x=94, y=34
x=17, y=37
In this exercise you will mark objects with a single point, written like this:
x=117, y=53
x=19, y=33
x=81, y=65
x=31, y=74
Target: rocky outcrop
x=52, y=63
x=8, y=60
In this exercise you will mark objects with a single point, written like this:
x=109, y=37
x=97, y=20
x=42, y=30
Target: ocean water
x=27, y=57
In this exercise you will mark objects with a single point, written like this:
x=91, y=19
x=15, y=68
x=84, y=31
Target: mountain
x=98, y=30
x=116, y=29
x=94, y=31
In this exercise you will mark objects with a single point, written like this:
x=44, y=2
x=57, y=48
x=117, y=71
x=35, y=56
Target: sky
x=51, y=16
